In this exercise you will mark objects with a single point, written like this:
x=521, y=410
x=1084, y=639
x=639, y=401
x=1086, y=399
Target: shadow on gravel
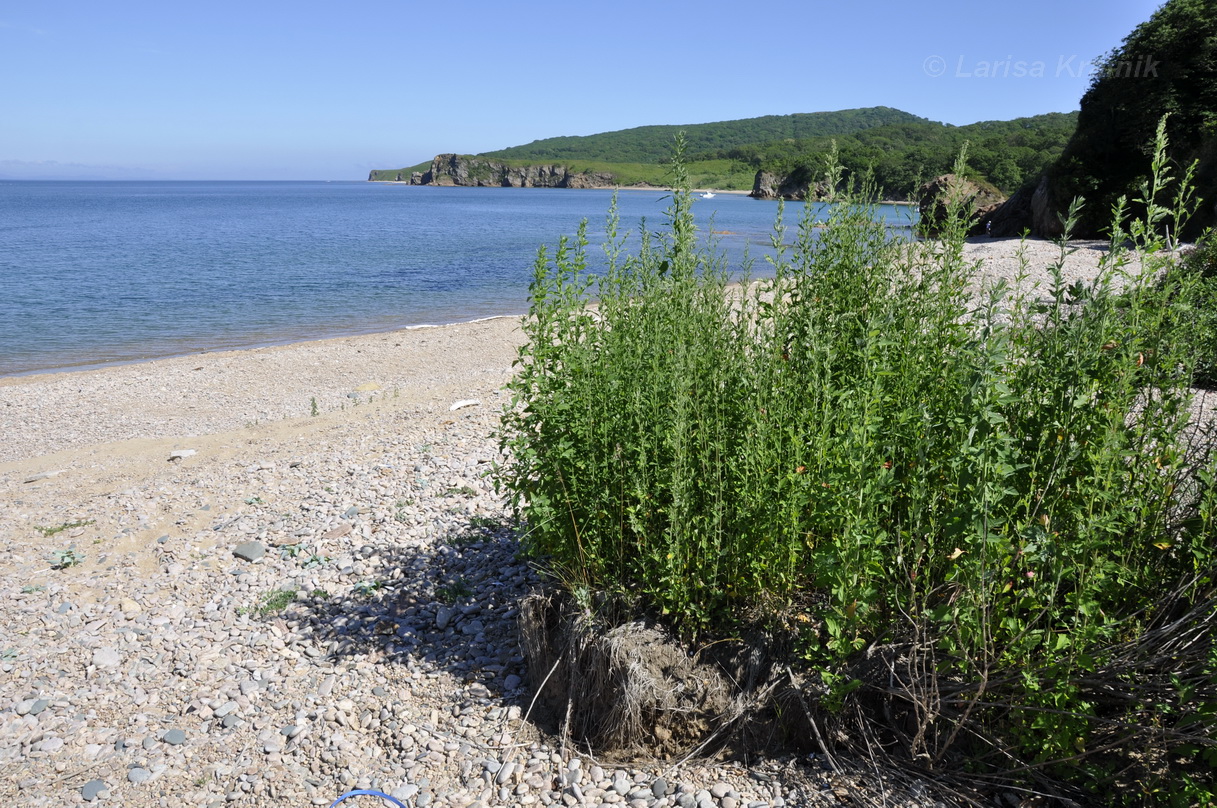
x=446, y=604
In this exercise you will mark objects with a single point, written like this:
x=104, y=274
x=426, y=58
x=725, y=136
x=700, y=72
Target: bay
x=96, y=273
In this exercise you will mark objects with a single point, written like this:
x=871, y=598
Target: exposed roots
x=632, y=690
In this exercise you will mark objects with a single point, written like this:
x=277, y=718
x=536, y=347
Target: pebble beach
x=272, y=576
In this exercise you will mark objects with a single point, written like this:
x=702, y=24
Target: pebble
x=249, y=551
x=93, y=789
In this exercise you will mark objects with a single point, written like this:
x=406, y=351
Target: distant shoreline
x=662, y=189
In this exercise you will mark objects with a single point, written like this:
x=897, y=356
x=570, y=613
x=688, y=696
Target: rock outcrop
x=465, y=170
x=767, y=185
x=941, y=193
x=1032, y=210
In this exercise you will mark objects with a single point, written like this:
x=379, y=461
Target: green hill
x=898, y=147
x=1006, y=154
x=653, y=144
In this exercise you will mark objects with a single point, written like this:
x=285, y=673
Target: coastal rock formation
x=1031, y=210
x=465, y=170
x=794, y=186
x=940, y=193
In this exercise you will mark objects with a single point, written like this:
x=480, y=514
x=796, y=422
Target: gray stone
x=90, y=790
x=504, y=773
x=249, y=551
x=138, y=775
x=659, y=788
x=443, y=616
x=405, y=792
x=231, y=722
x=107, y=657
x=174, y=737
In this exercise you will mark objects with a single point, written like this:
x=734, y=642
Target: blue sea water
x=95, y=273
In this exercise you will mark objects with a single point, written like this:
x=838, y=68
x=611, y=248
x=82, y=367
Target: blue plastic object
x=368, y=792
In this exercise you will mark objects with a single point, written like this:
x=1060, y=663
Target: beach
x=156, y=513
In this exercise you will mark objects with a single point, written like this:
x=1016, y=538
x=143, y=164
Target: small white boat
x=708, y=195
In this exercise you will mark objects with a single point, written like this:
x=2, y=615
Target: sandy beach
x=152, y=512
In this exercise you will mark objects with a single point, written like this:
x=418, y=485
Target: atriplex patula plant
x=975, y=509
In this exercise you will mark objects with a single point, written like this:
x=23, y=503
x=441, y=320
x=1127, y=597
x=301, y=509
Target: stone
x=138, y=775
x=405, y=792
x=443, y=616
x=249, y=551
x=941, y=193
x=90, y=790
x=337, y=532
x=174, y=737
x=107, y=657
x=45, y=475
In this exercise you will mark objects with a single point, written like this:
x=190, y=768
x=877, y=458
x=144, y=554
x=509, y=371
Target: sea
x=101, y=273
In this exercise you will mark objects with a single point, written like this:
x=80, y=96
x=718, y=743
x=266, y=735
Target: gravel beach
x=267, y=577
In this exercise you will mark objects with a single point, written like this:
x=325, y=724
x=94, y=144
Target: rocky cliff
x=460, y=169
x=941, y=194
x=796, y=186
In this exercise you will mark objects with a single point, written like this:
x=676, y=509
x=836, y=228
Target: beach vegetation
x=981, y=520
x=453, y=591
x=67, y=557
x=274, y=602
x=47, y=532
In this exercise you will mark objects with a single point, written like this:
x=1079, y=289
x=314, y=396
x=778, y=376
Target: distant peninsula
x=775, y=156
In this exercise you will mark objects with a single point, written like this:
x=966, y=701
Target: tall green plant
x=995, y=493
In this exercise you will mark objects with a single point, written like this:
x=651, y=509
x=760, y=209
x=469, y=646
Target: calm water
x=101, y=272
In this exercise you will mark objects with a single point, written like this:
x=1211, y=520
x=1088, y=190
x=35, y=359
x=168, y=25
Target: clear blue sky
x=263, y=89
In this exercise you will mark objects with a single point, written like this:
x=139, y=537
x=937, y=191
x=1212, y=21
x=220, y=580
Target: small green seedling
x=62, y=559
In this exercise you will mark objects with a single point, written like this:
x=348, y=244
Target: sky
x=302, y=90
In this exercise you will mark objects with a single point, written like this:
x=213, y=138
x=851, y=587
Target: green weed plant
x=1000, y=495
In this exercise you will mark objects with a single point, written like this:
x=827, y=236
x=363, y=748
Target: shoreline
x=660, y=188
x=86, y=367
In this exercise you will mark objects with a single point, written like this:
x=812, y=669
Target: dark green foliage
x=1006, y=153
x=1200, y=265
x=986, y=519
x=653, y=144
x=1166, y=66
